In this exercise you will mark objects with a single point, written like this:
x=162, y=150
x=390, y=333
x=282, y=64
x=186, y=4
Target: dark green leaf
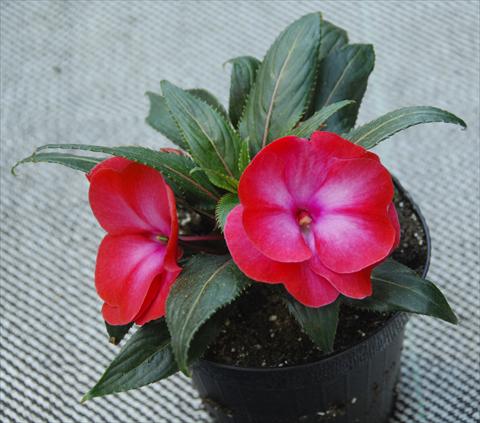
x=210, y=99
x=224, y=207
x=370, y=134
x=398, y=288
x=221, y=180
x=192, y=187
x=343, y=75
x=145, y=358
x=284, y=83
x=320, y=324
x=82, y=163
x=244, y=159
x=206, y=284
x=212, y=142
x=309, y=126
x=332, y=38
x=206, y=335
x=244, y=72
x=160, y=118
x=117, y=333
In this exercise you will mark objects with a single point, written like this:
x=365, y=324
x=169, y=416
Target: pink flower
x=137, y=259
x=315, y=216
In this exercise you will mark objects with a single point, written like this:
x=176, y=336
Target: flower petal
x=263, y=183
x=248, y=258
x=354, y=285
x=393, y=216
x=350, y=241
x=355, y=184
x=155, y=308
x=146, y=192
x=113, y=163
x=110, y=207
x=126, y=266
x=309, y=288
x=276, y=233
x=129, y=199
x=111, y=314
x=173, y=251
x=329, y=145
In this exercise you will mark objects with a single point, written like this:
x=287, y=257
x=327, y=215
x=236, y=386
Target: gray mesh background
x=77, y=72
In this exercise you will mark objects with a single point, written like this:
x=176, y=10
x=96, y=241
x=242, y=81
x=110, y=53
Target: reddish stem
x=194, y=238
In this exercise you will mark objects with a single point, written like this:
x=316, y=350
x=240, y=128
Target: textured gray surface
x=77, y=71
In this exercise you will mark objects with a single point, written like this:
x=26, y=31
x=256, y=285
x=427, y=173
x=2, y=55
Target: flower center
x=161, y=238
x=304, y=219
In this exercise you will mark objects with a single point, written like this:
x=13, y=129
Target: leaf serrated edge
x=229, y=125
x=184, y=366
x=119, y=153
x=277, y=83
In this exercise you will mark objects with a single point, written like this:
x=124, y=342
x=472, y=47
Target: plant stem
x=190, y=238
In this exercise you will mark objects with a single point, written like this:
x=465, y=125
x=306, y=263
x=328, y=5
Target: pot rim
x=333, y=355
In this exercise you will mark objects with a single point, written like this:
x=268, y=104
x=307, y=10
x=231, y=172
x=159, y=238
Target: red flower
x=137, y=259
x=314, y=215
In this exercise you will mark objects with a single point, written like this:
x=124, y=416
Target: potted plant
x=271, y=255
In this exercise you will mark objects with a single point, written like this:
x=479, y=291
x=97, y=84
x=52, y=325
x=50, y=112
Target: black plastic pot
x=352, y=386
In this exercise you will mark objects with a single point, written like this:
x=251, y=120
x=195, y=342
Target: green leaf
x=117, y=333
x=82, y=163
x=145, y=358
x=244, y=72
x=284, y=83
x=160, y=118
x=221, y=180
x=206, y=335
x=309, y=126
x=210, y=99
x=343, y=75
x=398, y=288
x=193, y=188
x=370, y=134
x=213, y=143
x=320, y=324
x=244, y=159
x=332, y=38
x=206, y=284
x=224, y=207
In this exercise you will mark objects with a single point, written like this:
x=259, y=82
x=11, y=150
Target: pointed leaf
x=206, y=335
x=398, y=288
x=224, y=207
x=332, y=38
x=309, y=126
x=212, y=142
x=244, y=159
x=210, y=99
x=244, y=72
x=206, y=284
x=145, y=358
x=82, y=163
x=117, y=333
x=370, y=134
x=193, y=188
x=160, y=118
x=320, y=324
x=343, y=75
x=284, y=82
